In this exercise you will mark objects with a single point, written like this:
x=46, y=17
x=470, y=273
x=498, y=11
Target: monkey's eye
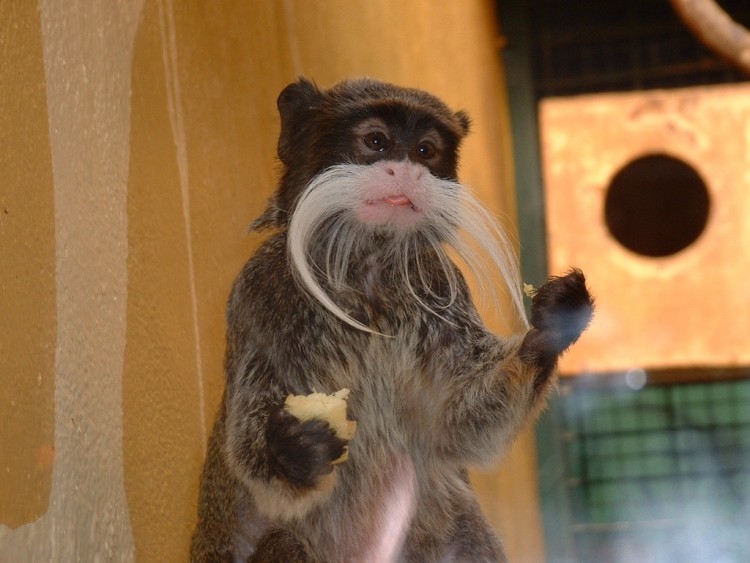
x=426, y=150
x=376, y=141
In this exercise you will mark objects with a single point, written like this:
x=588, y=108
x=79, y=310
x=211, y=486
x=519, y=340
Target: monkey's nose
x=390, y=171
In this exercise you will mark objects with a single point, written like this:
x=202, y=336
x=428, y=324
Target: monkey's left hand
x=560, y=311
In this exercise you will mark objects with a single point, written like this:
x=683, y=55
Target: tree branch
x=715, y=29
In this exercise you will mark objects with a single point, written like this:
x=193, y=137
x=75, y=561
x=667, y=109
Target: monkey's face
x=404, y=134
x=383, y=159
x=370, y=182
x=404, y=158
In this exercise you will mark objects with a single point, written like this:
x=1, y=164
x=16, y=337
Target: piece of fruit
x=331, y=408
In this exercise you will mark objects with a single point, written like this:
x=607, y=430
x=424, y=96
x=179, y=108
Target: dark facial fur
x=355, y=289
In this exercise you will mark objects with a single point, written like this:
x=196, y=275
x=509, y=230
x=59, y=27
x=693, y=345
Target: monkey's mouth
x=395, y=211
x=397, y=200
x=393, y=201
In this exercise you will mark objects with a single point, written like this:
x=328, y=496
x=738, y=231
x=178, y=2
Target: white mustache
x=453, y=218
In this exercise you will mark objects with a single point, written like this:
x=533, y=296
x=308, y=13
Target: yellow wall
x=137, y=142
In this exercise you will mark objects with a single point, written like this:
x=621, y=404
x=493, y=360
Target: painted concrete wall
x=137, y=142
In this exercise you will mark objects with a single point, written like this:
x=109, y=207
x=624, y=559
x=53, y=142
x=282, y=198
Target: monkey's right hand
x=301, y=452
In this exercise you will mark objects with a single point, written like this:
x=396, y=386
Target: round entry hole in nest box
x=656, y=205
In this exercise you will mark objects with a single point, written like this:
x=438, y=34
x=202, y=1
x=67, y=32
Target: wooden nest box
x=649, y=193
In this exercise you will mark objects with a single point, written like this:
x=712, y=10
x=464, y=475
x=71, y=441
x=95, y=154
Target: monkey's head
x=371, y=168
x=400, y=131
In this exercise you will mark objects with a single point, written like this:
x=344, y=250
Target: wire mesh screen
x=654, y=473
x=584, y=46
x=661, y=473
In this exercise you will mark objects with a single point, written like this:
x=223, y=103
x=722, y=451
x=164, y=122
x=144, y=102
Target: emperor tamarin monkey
x=355, y=289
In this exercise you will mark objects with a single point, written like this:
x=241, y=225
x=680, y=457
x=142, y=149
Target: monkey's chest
x=395, y=485
x=393, y=399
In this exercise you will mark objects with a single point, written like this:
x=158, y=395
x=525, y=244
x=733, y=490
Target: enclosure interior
x=643, y=464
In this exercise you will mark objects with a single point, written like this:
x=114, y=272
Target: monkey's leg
x=217, y=515
x=280, y=546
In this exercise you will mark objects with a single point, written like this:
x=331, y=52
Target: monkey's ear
x=296, y=103
x=464, y=120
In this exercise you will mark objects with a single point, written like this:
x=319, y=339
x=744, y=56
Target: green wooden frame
x=532, y=233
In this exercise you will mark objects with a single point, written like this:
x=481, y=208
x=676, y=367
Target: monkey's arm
x=497, y=385
x=284, y=462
